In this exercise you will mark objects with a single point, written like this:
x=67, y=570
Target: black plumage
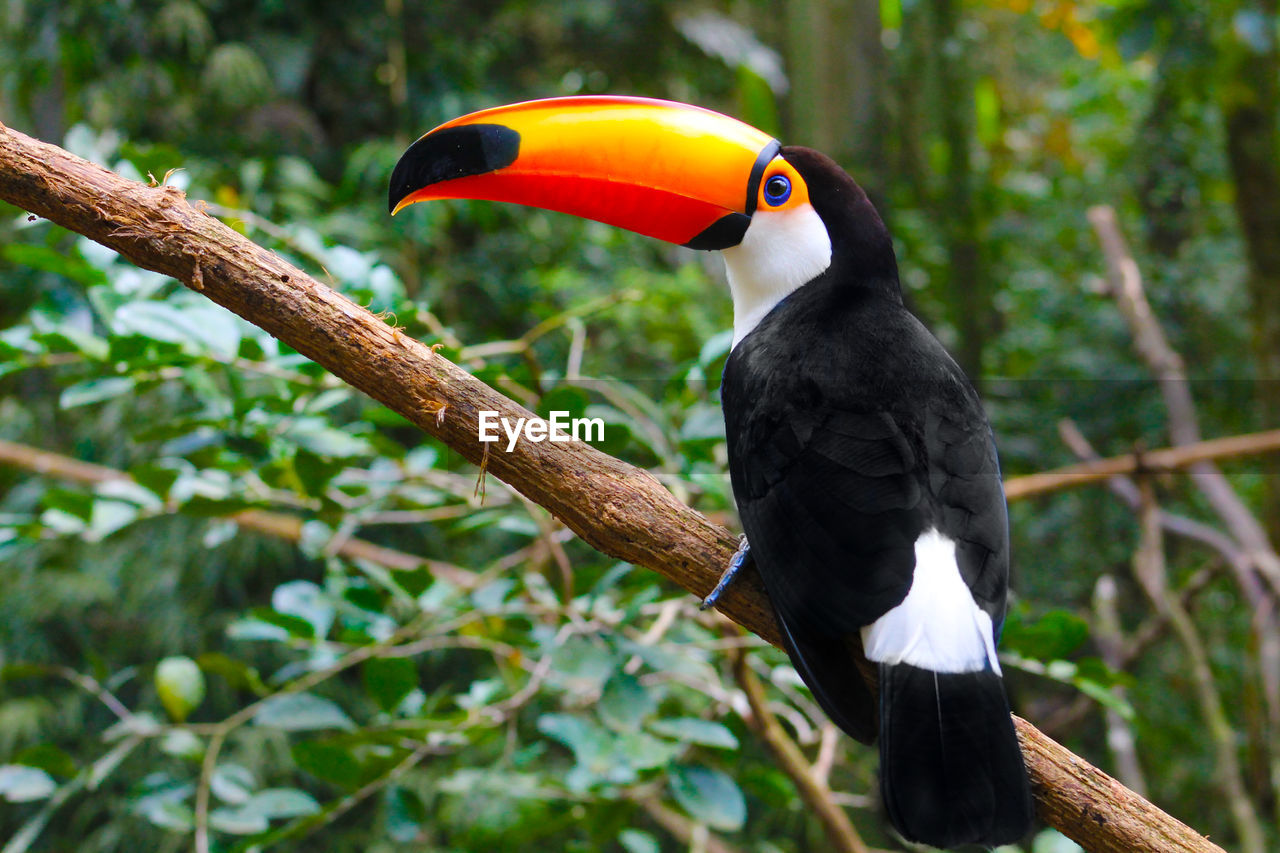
x=851, y=433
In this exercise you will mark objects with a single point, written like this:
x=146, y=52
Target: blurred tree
x=1251, y=113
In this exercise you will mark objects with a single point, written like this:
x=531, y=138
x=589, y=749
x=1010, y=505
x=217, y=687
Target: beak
x=679, y=173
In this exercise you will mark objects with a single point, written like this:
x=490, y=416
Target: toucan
x=862, y=464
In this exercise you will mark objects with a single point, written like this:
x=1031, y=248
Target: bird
x=861, y=461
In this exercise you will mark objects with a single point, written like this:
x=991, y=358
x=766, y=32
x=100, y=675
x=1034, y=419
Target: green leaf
x=694, y=730
x=315, y=472
x=167, y=808
x=306, y=601
x=182, y=743
x=22, y=784
x=109, y=516
x=188, y=322
x=237, y=822
x=716, y=347
x=260, y=629
x=68, y=338
x=254, y=814
x=238, y=674
x=316, y=436
x=275, y=803
x=328, y=761
x=199, y=506
x=78, y=504
x=389, y=680
x=566, y=398
x=180, y=686
x=1054, y=635
x=49, y=758
x=95, y=391
x=709, y=796
x=480, y=693
x=625, y=703
x=635, y=841
x=127, y=491
x=703, y=422
x=300, y=712
x=69, y=264
x=405, y=814
x=581, y=737
x=232, y=783
x=1052, y=841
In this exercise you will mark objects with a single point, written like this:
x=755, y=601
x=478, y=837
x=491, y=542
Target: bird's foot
x=739, y=560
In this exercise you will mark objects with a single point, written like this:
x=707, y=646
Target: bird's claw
x=736, y=563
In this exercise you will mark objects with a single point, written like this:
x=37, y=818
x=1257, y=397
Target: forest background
x=225, y=634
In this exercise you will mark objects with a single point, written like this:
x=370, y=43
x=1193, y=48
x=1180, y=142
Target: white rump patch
x=938, y=626
x=781, y=250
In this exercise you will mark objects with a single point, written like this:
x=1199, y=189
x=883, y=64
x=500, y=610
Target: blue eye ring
x=777, y=189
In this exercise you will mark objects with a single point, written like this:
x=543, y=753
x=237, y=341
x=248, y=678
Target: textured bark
x=615, y=507
x=1103, y=815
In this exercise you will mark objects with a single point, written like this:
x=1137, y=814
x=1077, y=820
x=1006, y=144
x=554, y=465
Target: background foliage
x=530, y=694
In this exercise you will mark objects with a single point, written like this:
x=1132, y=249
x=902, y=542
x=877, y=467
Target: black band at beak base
x=725, y=232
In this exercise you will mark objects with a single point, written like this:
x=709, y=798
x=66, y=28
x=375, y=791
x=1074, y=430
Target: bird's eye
x=777, y=190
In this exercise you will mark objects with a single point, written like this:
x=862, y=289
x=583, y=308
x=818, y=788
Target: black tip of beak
x=454, y=152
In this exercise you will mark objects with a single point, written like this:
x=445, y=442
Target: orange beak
x=679, y=173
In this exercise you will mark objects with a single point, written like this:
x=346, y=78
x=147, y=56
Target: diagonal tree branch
x=616, y=508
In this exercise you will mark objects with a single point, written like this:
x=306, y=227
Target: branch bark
x=616, y=508
x=1156, y=461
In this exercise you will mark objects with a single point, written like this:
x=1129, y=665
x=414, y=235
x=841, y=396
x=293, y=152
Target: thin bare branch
x=1111, y=643
x=1155, y=461
x=840, y=832
x=1149, y=569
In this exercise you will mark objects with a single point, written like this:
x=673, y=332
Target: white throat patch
x=780, y=251
x=938, y=626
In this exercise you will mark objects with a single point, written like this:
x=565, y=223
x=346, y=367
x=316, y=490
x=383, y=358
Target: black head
x=860, y=243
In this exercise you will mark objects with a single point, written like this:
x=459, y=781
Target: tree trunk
x=836, y=66
x=1250, y=106
x=968, y=290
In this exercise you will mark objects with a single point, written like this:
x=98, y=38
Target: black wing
x=837, y=470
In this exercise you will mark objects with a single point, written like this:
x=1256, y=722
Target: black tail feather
x=827, y=668
x=951, y=771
